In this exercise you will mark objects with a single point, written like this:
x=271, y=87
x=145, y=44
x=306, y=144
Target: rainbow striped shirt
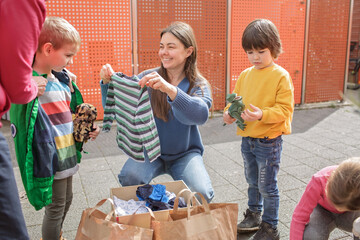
x=56, y=103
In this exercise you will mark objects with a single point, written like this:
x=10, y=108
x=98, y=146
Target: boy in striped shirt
x=59, y=41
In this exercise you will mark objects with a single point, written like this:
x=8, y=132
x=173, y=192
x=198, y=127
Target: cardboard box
x=144, y=219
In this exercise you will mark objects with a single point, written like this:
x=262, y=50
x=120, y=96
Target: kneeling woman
x=180, y=99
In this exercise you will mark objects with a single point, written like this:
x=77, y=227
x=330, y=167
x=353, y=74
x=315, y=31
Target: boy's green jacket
x=35, y=145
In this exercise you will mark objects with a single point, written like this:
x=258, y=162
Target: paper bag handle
x=176, y=202
x=203, y=201
x=192, y=198
x=100, y=203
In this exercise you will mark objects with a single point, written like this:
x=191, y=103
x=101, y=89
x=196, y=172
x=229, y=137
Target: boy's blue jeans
x=261, y=163
x=190, y=168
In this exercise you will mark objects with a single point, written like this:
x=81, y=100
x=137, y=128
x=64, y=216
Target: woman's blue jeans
x=190, y=168
x=261, y=163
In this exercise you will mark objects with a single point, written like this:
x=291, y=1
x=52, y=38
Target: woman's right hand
x=105, y=73
x=227, y=118
x=155, y=81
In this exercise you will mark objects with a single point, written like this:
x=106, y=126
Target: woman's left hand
x=155, y=81
x=93, y=135
x=106, y=72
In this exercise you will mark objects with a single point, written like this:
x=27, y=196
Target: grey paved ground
x=321, y=137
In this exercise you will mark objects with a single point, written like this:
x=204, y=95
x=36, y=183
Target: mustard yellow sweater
x=270, y=89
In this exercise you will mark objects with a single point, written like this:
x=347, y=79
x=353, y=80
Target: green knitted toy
x=236, y=108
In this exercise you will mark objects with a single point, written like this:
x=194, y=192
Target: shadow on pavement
x=303, y=120
x=214, y=132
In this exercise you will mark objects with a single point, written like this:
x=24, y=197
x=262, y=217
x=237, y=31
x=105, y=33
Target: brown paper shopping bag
x=96, y=225
x=212, y=221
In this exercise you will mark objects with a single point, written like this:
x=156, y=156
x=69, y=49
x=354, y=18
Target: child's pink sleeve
x=304, y=208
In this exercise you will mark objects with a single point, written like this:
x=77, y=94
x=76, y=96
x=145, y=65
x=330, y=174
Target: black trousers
x=12, y=223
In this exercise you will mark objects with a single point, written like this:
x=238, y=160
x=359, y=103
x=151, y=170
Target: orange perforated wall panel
x=104, y=28
x=289, y=18
x=207, y=18
x=326, y=61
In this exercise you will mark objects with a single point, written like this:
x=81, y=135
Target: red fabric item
x=20, y=25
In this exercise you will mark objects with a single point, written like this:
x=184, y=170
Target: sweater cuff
x=264, y=116
x=181, y=100
x=102, y=83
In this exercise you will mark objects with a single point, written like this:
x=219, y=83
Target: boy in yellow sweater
x=268, y=94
